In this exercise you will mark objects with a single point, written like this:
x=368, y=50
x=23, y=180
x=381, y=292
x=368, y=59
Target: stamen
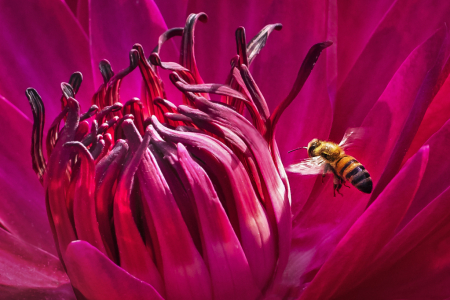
x=106, y=111
x=187, y=56
x=53, y=131
x=170, y=33
x=153, y=84
x=259, y=41
x=113, y=86
x=164, y=107
x=303, y=74
x=107, y=73
x=38, y=110
x=134, y=107
x=92, y=111
x=91, y=138
x=75, y=83
x=240, y=45
x=255, y=93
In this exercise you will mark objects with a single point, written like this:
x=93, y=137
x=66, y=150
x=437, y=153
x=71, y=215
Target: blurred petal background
x=387, y=71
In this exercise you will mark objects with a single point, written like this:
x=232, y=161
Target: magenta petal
x=22, y=210
x=25, y=266
x=115, y=27
x=423, y=224
x=356, y=24
x=42, y=46
x=96, y=277
x=432, y=183
x=226, y=261
x=369, y=233
x=422, y=274
x=425, y=95
x=381, y=134
x=382, y=56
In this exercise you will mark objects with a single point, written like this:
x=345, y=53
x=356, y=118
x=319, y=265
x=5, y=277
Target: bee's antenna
x=297, y=149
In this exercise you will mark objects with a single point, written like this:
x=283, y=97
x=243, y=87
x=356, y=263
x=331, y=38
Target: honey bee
x=328, y=157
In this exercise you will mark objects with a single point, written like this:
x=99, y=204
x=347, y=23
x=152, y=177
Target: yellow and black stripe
x=350, y=169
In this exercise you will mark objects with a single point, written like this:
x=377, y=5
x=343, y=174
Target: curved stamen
x=259, y=41
x=307, y=65
x=91, y=112
x=187, y=56
x=38, y=110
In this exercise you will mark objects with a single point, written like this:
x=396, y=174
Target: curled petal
x=225, y=258
x=183, y=270
x=275, y=193
x=57, y=182
x=86, y=224
x=106, y=173
x=134, y=255
x=244, y=209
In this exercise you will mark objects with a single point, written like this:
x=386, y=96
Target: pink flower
x=386, y=72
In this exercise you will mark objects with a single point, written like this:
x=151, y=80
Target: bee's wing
x=310, y=166
x=352, y=138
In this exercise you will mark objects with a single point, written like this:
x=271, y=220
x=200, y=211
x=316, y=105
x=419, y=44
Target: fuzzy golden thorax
x=328, y=150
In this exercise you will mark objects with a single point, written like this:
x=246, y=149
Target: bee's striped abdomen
x=350, y=169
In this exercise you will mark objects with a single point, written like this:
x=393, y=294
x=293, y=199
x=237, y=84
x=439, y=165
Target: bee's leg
x=326, y=169
x=337, y=184
x=344, y=183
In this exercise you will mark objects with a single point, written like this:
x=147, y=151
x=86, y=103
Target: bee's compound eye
x=311, y=148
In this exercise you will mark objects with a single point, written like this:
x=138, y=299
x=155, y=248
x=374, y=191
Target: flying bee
x=328, y=157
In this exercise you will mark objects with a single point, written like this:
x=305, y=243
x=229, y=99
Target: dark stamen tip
x=174, y=77
x=202, y=17
x=134, y=58
x=106, y=70
x=117, y=106
x=155, y=59
x=38, y=110
x=75, y=81
x=67, y=90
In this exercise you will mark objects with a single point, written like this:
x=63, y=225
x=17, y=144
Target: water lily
x=138, y=209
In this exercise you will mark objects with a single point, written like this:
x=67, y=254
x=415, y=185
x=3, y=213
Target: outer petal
x=394, y=105
x=42, y=45
x=96, y=277
x=173, y=12
x=435, y=179
x=28, y=272
x=357, y=21
x=22, y=198
x=421, y=274
x=369, y=233
x=115, y=27
x=405, y=25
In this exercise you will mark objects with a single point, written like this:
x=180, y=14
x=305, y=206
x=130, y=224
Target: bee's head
x=312, y=146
